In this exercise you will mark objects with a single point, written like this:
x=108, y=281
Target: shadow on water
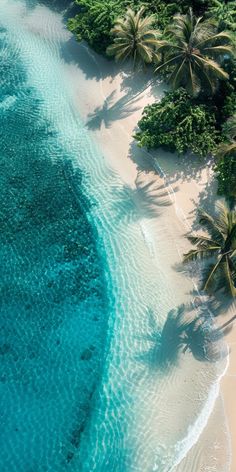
x=53, y=313
x=184, y=330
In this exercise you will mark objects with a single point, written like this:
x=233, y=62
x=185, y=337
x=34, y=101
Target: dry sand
x=111, y=108
x=109, y=99
x=228, y=389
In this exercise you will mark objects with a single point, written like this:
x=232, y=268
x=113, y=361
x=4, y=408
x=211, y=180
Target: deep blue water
x=53, y=296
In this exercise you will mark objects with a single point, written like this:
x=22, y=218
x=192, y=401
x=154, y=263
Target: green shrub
x=94, y=21
x=179, y=124
x=162, y=10
x=226, y=175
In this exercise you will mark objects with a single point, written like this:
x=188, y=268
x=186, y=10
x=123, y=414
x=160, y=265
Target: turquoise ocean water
x=83, y=296
x=53, y=293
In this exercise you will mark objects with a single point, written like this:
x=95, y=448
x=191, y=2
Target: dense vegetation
x=194, y=50
x=191, y=43
x=180, y=124
x=226, y=161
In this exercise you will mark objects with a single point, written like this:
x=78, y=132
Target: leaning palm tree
x=193, y=53
x=135, y=38
x=219, y=247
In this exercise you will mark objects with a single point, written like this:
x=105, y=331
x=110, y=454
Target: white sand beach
x=154, y=406
x=112, y=105
x=228, y=385
x=186, y=407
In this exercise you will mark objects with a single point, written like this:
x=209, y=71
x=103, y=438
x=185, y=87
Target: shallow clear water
x=53, y=294
x=84, y=293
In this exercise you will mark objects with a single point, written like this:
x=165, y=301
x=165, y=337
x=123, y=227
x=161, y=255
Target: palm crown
x=193, y=52
x=219, y=246
x=134, y=38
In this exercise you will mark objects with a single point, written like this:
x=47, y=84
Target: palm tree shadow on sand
x=112, y=111
x=147, y=199
x=184, y=330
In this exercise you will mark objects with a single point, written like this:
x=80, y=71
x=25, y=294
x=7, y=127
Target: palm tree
x=219, y=247
x=193, y=52
x=135, y=38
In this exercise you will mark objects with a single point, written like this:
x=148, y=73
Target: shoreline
x=227, y=390
x=110, y=138
x=109, y=103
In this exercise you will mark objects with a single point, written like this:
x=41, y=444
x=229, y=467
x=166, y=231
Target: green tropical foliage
x=178, y=124
x=199, y=6
x=225, y=98
x=218, y=247
x=135, y=38
x=163, y=11
x=94, y=21
x=193, y=53
x=96, y=18
x=226, y=162
x=224, y=13
x=196, y=53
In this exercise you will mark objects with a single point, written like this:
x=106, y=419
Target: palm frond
x=229, y=282
x=176, y=77
x=193, y=85
x=211, y=274
x=199, y=254
x=220, y=246
x=222, y=218
x=134, y=37
x=224, y=35
x=212, y=66
x=226, y=150
x=169, y=62
x=203, y=241
x=215, y=51
x=215, y=229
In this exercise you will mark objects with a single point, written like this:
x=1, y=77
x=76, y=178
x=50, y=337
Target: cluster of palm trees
x=191, y=50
